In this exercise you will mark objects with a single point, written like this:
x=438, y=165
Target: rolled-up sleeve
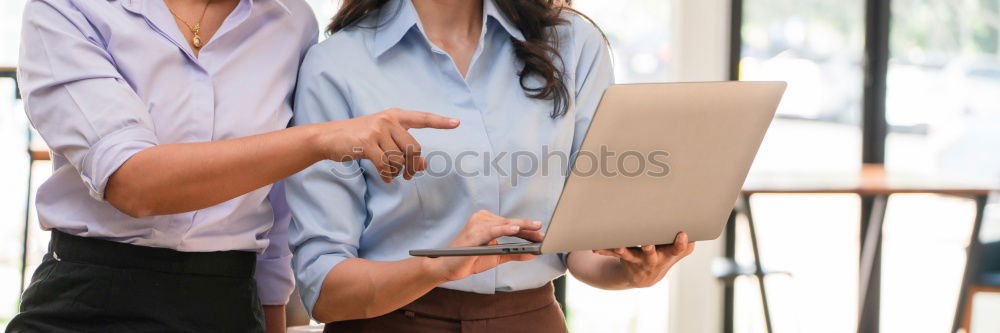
x=76, y=98
x=327, y=200
x=274, y=266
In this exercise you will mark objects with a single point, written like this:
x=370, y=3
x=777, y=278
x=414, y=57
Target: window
x=943, y=68
x=10, y=30
x=944, y=117
x=13, y=129
x=816, y=46
x=944, y=75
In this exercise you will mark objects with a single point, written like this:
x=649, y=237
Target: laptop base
x=501, y=249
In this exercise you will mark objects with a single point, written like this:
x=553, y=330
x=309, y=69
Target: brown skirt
x=445, y=310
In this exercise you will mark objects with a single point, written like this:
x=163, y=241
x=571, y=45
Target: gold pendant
x=196, y=39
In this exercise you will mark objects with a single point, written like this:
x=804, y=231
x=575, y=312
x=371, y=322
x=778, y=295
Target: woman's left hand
x=645, y=266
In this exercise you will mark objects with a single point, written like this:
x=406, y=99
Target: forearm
x=274, y=318
x=358, y=288
x=177, y=178
x=597, y=271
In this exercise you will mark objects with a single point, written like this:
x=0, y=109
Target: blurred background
x=912, y=86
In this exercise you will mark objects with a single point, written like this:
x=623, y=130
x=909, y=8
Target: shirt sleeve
x=327, y=200
x=274, y=274
x=76, y=98
x=593, y=74
x=274, y=266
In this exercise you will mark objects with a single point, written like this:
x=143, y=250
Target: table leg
x=729, y=291
x=971, y=258
x=872, y=209
x=758, y=268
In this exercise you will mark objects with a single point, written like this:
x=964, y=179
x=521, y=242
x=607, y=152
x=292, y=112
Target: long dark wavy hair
x=536, y=19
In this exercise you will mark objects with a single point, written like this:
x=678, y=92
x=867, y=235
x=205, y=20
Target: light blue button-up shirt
x=105, y=79
x=343, y=210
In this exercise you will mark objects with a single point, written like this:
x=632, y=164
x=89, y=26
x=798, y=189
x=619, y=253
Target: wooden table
x=871, y=180
x=874, y=184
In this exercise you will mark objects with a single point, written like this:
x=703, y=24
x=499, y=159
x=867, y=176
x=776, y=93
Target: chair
x=986, y=279
x=727, y=269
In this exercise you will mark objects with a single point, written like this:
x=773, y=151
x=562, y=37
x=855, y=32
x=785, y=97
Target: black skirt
x=91, y=285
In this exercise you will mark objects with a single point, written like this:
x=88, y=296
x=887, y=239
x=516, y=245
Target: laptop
x=683, y=152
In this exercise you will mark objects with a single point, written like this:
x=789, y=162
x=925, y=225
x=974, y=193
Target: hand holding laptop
x=645, y=266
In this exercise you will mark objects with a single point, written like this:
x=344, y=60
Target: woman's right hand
x=381, y=138
x=483, y=228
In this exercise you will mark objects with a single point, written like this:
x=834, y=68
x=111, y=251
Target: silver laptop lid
x=680, y=154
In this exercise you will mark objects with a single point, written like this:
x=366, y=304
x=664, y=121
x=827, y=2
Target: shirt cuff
x=275, y=280
x=312, y=277
x=109, y=153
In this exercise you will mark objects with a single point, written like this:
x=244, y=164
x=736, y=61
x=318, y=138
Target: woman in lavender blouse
x=166, y=120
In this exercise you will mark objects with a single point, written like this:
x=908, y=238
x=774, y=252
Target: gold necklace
x=196, y=29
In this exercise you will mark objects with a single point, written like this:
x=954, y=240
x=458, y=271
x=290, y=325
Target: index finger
x=524, y=223
x=414, y=119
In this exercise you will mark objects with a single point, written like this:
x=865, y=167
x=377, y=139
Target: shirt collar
x=397, y=17
x=393, y=21
x=490, y=10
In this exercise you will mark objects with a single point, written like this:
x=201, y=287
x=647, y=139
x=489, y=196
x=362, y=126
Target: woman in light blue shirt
x=166, y=120
x=524, y=78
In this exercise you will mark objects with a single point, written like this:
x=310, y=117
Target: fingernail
x=515, y=228
x=537, y=224
x=453, y=122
